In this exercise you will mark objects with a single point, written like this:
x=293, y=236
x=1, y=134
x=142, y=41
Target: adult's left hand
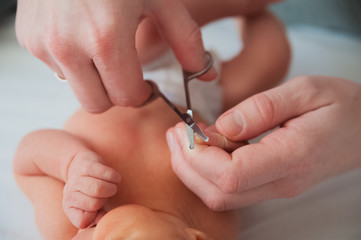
x=318, y=137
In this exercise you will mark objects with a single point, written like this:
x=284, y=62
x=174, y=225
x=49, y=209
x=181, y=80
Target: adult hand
x=84, y=234
x=318, y=137
x=92, y=44
x=89, y=184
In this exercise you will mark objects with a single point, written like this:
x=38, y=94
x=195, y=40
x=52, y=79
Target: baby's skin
x=117, y=164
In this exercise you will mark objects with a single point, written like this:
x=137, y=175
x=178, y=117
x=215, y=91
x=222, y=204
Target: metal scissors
x=187, y=117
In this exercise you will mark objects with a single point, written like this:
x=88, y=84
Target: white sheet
x=31, y=98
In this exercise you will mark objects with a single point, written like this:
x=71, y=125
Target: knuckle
x=102, y=44
x=264, y=106
x=95, y=188
x=59, y=48
x=231, y=182
x=95, y=107
x=195, y=34
x=190, y=39
x=93, y=205
x=84, y=166
x=309, y=84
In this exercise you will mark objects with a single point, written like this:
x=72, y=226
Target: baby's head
x=135, y=222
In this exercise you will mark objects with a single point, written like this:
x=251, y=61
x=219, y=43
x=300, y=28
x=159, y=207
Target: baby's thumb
x=218, y=140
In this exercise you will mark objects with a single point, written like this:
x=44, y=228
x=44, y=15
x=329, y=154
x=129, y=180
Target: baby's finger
x=102, y=172
x=218, y=140
x=95, y=187
x=80, y=218
x=84, y=202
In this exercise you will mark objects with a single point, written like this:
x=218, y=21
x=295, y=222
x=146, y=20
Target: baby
x=110, y=175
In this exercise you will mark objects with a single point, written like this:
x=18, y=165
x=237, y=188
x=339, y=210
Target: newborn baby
x=110, y=174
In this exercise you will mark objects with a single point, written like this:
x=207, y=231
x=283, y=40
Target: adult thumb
x=267, y=110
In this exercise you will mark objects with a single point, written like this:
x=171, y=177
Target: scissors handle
x=187, y=76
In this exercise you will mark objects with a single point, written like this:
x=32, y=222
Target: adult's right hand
x=319, y=137
x=92, y=44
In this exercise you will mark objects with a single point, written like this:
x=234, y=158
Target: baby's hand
x=89, y=184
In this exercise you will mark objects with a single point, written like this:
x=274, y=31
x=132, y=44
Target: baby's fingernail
x=231, y=124
x=170, y=140
x=199, y=140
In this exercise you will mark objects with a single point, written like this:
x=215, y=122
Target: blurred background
x=325, y=38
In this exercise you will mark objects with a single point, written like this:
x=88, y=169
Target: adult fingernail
x=170, y=140
x=231, y=124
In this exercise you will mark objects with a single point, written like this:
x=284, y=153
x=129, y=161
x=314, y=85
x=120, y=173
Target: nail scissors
x=187, y=117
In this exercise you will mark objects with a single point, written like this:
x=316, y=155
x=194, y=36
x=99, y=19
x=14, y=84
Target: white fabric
x=205, y=97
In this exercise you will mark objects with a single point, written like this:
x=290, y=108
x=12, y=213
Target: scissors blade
x=192, y=128
x=186, y=117
x=198, y=130
x=190, y=131
x=190, y=134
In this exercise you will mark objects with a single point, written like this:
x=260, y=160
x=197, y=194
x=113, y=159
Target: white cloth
x=205, y=97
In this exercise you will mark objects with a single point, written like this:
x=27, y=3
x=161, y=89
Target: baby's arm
x=52, y=165
x=261, y=64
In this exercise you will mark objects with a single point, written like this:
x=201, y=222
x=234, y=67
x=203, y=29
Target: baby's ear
x=197, y=235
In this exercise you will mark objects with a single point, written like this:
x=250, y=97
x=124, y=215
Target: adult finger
x=116, y=60
x=195, y=182
x=78, y=68
x=247, y=167
x=266, y=110
x=183, y=34
x=87, y=86
x=42, y=53
x=209, y=193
